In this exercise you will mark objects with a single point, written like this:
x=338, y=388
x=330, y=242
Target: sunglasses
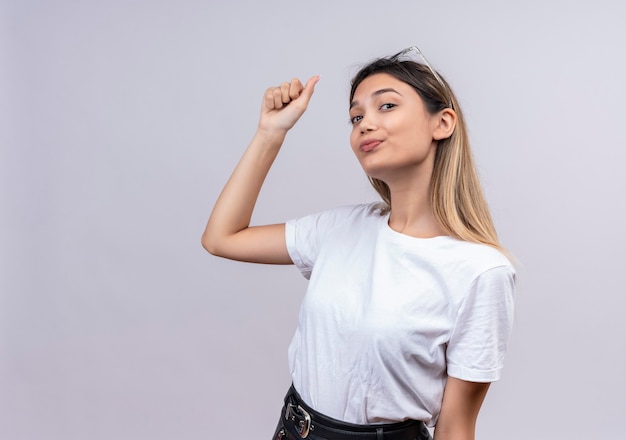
x=414, y=54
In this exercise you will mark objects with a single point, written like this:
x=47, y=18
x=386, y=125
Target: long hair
x=455, y=193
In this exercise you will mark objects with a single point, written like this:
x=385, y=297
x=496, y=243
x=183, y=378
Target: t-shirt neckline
x=401, y=236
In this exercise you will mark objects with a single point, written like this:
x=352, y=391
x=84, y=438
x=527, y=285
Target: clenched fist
x=285, y=104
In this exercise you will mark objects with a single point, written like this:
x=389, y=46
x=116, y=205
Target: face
x=392, y=132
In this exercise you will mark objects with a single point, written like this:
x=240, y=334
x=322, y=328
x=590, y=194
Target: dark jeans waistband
x=299, y=421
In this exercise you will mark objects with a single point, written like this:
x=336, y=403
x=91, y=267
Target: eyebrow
x=376, y=93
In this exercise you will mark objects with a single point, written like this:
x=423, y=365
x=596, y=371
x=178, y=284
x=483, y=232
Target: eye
x=387, y=106
x=355, y=119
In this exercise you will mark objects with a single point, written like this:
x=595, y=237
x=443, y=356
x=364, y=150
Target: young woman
x=410, y=300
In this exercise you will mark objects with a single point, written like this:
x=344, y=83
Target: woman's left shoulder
x=477, y=258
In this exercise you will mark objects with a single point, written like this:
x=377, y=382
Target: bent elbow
x=209, y=245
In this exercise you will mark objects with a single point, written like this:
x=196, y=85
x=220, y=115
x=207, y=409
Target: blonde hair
x=455, y=192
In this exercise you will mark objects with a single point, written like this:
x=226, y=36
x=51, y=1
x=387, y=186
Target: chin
x=377, y=170
x=377, y=174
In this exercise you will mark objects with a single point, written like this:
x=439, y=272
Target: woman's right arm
x=228, y=232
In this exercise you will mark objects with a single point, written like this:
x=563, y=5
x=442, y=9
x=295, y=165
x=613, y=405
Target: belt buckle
x=304, y=424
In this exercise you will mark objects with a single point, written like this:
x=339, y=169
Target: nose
x=367, y=124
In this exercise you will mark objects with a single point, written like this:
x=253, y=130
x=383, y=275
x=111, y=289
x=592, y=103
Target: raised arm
x=228, y=232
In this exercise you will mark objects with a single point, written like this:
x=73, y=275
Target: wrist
x=272, y=136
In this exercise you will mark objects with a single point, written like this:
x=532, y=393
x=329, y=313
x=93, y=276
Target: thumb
x=309, y=88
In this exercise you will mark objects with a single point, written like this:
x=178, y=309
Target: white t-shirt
x=387, y=317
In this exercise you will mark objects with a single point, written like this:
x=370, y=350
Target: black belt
x=301, y=422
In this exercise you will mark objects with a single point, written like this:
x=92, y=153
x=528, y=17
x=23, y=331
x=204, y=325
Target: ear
x=445, y=124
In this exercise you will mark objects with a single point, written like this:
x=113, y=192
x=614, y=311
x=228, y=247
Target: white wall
x=121, y=119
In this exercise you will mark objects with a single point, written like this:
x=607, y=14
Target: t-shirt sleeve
x=302, y=244
x=478, y=341
x=306, y=235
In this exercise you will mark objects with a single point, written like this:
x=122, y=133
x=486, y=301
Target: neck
x=411, y=209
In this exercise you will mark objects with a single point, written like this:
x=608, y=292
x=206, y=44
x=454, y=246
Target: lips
x=369, y=145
